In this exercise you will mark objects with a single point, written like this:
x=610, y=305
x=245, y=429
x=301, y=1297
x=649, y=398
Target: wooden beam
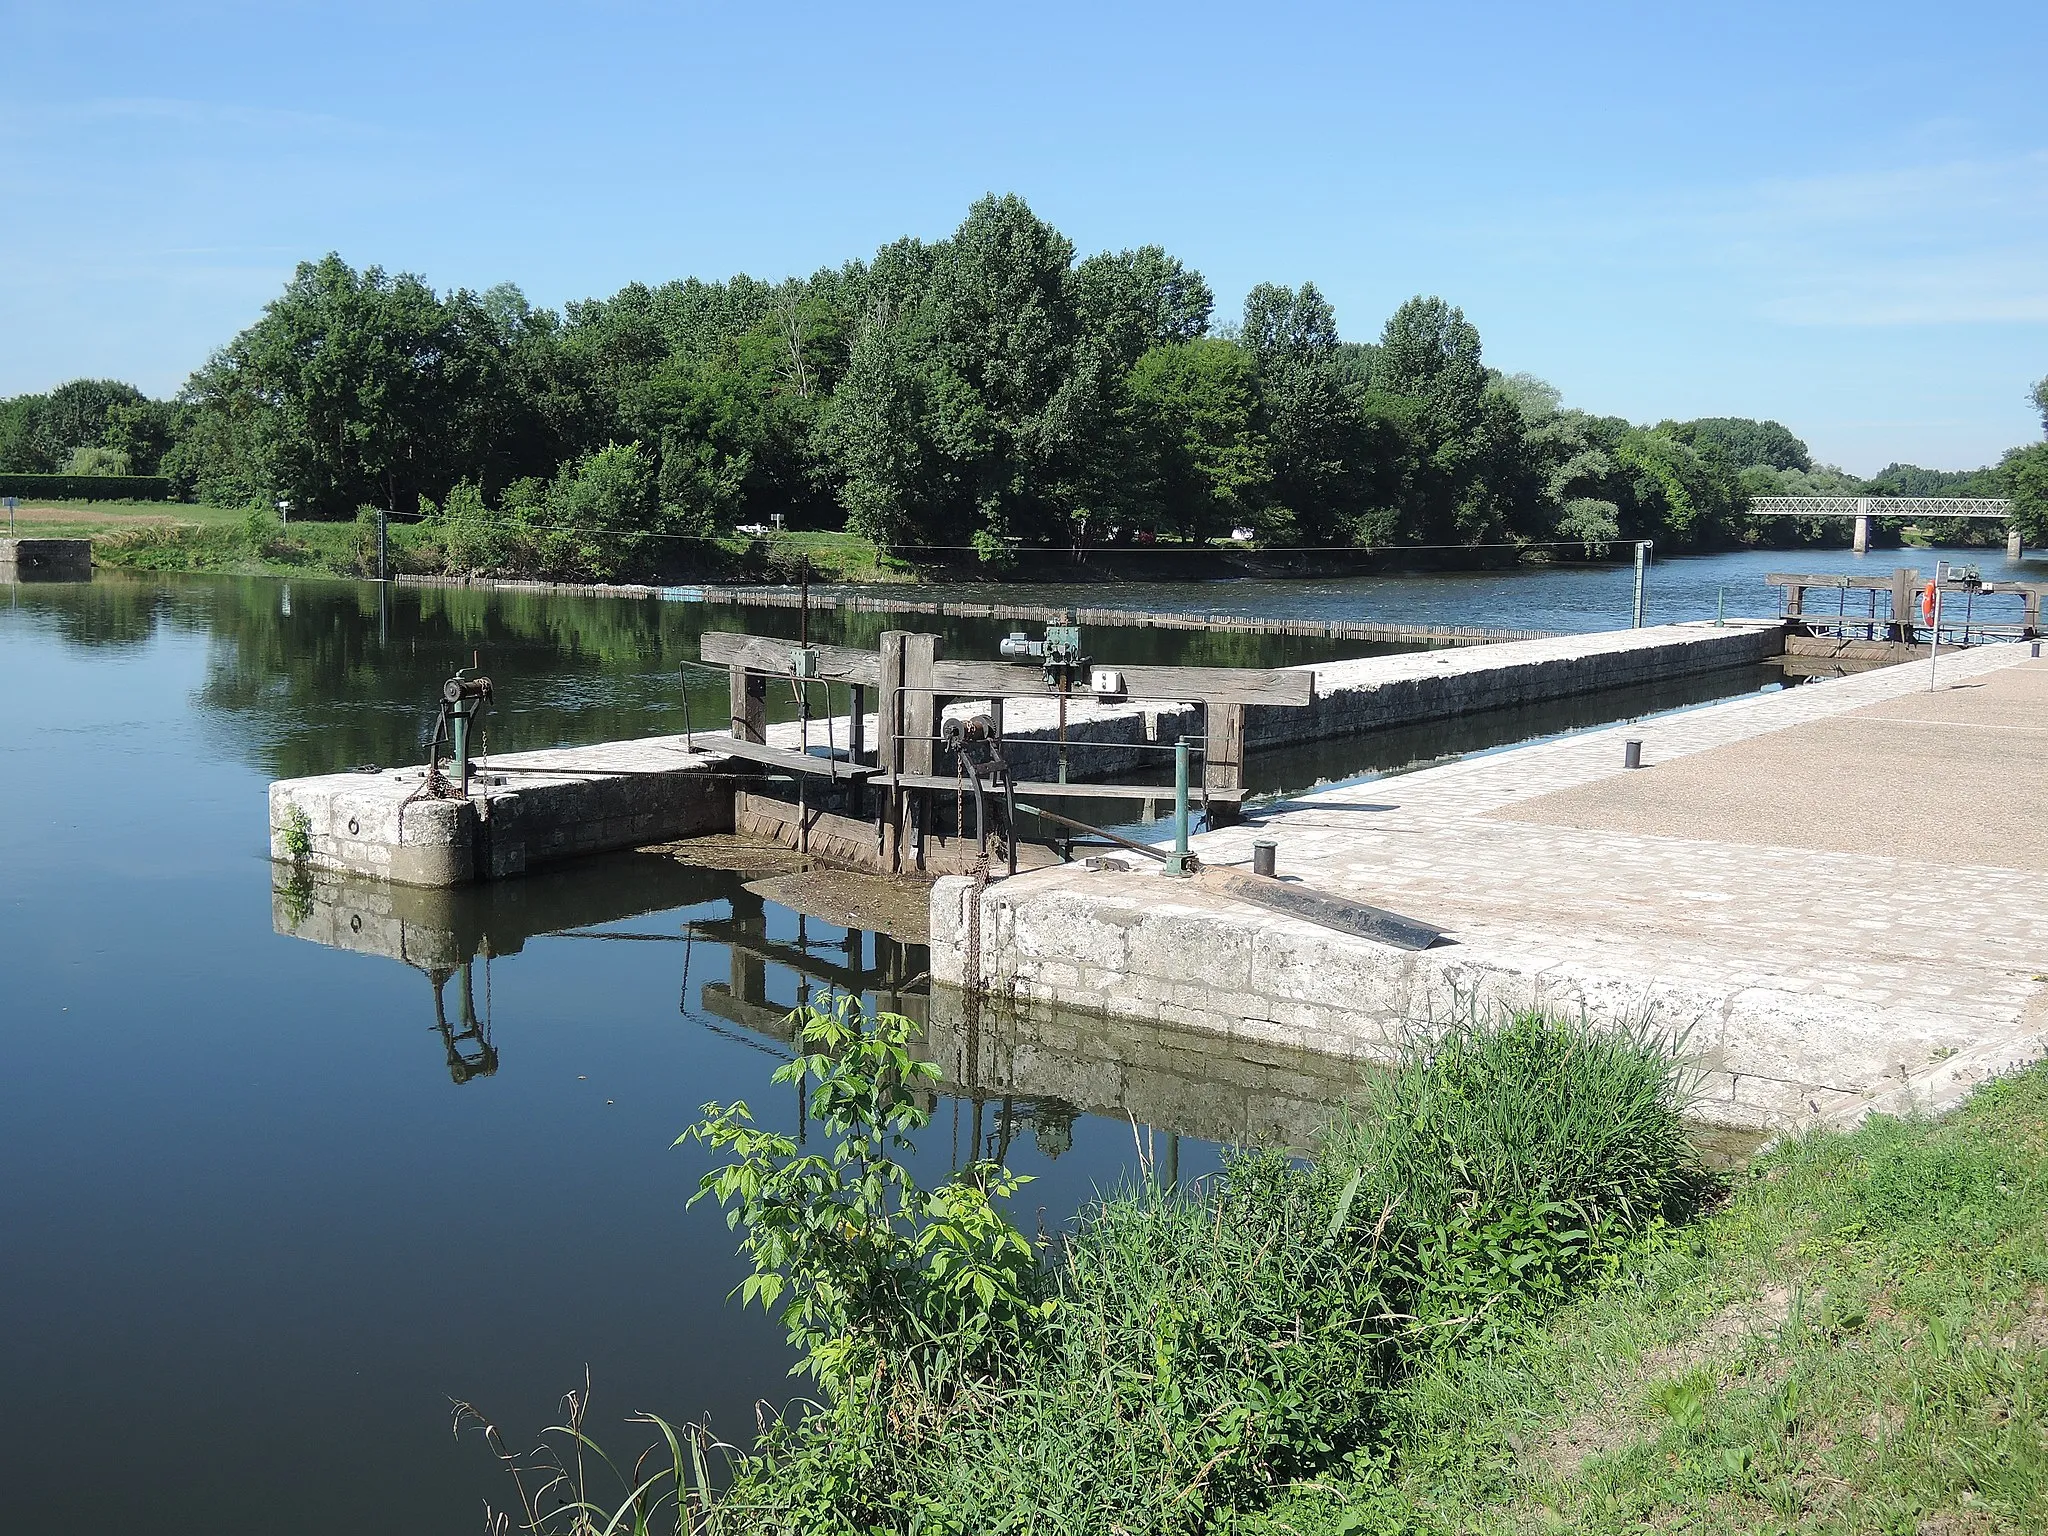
x=757, y=653
x=1288, y=687
x=1032, y=790
x=788, y=760
x=889, y=701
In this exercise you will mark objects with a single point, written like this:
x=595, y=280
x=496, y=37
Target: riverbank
x=1856, y=1342
x=196, y=538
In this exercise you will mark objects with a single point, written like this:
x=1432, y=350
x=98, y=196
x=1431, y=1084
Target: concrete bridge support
x=2012, y=543
x=1862, y=544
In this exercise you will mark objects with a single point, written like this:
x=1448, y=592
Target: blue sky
x=1836, y=215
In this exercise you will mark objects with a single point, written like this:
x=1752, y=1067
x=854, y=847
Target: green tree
x=40, y=433
x=1474, y=479
x=869, y=1270
x=1683, y=498
x=967, y=407
x=2025, y=475
x=1132, y=301
x=1194, y=432
x=1745, y=443
x=1309, y=418
x=97, y=460
x=2039, y=396
x=360, y=388
x=142, y=431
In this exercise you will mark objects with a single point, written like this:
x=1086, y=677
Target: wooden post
x=889, y=703
x=920, y=719
x=920, y=706
x=1223, y=760
x=1903, y=597
x=888, y=758
x=1795, y=598
x=857, y=728
x=749, y=705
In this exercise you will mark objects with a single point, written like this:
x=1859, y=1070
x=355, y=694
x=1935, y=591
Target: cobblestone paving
x=1808, y=984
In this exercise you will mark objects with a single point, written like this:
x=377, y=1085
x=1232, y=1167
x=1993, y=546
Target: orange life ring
x=1927, y=603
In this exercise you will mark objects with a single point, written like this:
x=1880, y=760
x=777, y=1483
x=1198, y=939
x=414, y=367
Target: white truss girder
x=1881, y=506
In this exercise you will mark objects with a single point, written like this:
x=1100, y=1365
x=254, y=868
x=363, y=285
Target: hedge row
x=87, y=487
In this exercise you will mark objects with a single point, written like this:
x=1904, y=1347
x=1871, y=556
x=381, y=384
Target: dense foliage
x=86, y=486
x=1183, y=1352
x=971, y=393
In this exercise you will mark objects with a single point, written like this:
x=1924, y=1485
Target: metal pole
x=1179, y=863
x=1934, y=637
x=459, y=728
x=383, y=545
x=1642, y=555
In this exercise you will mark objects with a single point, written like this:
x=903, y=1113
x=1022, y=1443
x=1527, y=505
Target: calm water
x=282, y=1171
x=1565, y=598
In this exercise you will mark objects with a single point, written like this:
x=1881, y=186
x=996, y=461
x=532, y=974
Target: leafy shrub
x=868, y=1267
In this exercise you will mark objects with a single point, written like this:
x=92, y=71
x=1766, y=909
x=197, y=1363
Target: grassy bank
x=1853, y=1343
x=157, y=536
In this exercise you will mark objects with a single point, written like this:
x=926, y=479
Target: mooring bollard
x=1264, y=854
x=1631, y=753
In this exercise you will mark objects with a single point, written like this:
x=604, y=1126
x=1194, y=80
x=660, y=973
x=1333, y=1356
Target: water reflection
x=1012, y=1069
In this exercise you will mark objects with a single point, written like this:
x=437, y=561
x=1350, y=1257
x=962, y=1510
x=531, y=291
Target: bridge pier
x=1862, y=543
x=2012, y=544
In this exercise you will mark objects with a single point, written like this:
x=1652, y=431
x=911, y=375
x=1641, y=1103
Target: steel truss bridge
x=1882, y=506
x=1864, y=508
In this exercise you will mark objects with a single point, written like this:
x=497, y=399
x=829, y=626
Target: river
x=276, y=1188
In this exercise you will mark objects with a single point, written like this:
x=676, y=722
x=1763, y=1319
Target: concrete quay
x=45, y=559
x=1830, y=894
x=524, y=809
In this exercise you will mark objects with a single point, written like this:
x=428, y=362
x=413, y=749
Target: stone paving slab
x=1941, y=778
x=1808, y=982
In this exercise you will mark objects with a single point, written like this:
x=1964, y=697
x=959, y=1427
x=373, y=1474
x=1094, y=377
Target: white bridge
x=1864, y=508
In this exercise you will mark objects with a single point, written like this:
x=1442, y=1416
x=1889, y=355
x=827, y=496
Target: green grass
x=94, y=519
x=189, y=537
x=1853, y=1343
x=831, y=557
x=238, y=543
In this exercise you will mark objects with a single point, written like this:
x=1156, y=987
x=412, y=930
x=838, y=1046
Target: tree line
x=984, y=392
